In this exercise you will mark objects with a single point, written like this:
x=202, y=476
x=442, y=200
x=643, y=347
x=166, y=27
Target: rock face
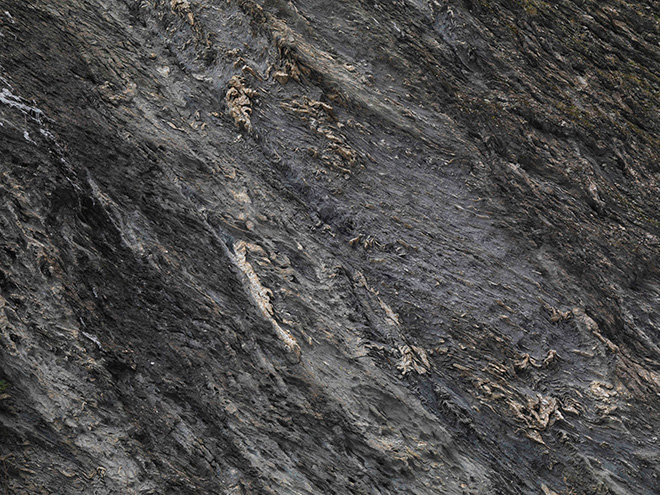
x=308, y=247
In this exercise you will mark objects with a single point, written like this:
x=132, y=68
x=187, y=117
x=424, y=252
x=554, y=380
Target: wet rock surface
x=363, y=247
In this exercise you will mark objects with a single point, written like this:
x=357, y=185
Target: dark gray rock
x=356, y=247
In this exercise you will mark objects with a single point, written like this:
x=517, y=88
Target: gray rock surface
x=352, y=247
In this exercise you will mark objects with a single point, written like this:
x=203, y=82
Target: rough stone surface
x=351, y=247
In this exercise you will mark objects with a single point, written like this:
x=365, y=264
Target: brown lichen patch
x=413, y=358
x=584, y=321
x=239, y=102
x=290, y=70
x=261, y=295
x=182, y=7
x=321, y=118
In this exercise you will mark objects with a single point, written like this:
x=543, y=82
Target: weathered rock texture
x=310, y=247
